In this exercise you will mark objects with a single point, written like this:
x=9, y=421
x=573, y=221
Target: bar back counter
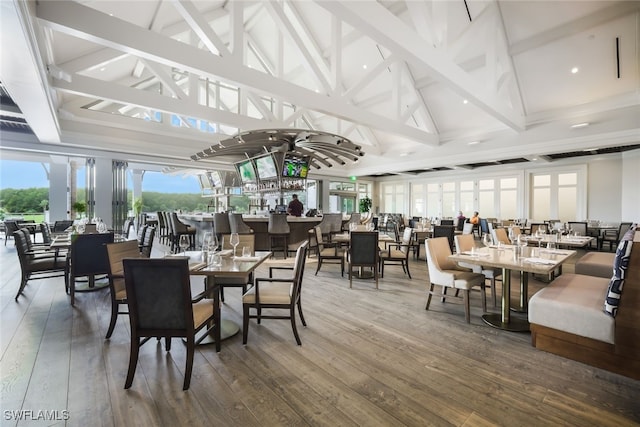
x=299, y=226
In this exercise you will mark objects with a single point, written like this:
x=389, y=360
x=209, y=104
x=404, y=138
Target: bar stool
x=238, y=225
x=221, y=226
x=180, y=228
x=278, y=232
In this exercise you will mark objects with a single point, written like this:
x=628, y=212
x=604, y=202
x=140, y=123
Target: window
x=418, y=202
x=508, y=198
x=486, y=198
x=555, y=195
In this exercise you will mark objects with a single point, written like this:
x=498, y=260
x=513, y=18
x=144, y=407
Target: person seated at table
x=461, y=217
x=475, y=219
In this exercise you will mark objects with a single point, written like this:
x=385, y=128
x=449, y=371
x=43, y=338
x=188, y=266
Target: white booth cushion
x=573, y=303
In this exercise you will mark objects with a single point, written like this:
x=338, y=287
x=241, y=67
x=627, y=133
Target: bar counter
x=299, y=226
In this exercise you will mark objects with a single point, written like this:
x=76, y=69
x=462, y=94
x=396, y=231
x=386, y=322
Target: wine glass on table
x=234, y=240
x=183, y=242
x=486, y=239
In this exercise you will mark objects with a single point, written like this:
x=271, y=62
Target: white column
x=58, y=191
x=104, y=190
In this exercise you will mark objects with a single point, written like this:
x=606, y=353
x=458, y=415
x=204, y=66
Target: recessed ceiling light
x=574, y=70
x=102, y=69
x=473, y=143
x=534, y=159
x=465, y=101
x=580, y=125
x=364, y=66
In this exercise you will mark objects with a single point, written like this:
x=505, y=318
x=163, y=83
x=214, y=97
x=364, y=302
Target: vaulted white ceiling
x=412, y=82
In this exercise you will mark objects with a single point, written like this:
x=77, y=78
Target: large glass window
x=508, y=198
x=554, y=196
x=433, y=200
x=418, y=202
x=486, y=198
x=393, y=198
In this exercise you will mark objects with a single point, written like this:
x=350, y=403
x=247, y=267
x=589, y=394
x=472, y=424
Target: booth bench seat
x=599, y=264
x=567, y=318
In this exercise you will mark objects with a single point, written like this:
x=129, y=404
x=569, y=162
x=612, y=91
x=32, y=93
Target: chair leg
x=133, y=360
x=483, y=289
x=72, y=290
x=167, y=343
x=222, y=293
x=444, y=294
x=319, y=264
x=112, y=323
x=304, y=323
x=429, y=296
x=467, y=309
x=292, y=314
x=407, y=265
x=245, y=323
x=23, y=283
x=191, y=347
x=493, y=290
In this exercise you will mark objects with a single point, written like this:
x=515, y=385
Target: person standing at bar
x=295, y=206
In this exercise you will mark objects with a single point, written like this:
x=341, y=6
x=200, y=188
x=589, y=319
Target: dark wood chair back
x=364, y=252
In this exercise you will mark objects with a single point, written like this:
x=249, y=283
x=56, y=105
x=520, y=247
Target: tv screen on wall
x=266, y=167
x=295, y=167
x=214, y=177
x=246, y=171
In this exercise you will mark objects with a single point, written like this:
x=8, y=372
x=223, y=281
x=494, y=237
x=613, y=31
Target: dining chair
x=276, y=293
x=467, y=228
x=146, y=245
x=88, y=258
x=397, y=253
x=246, y=240
x=445, y=231
x=10, y=227
x=500, y=236
x=162, y=227
x=37, y=264
x=116, y=252
x=354, y=218
x=447, y=273
x=61, y=226
x=464, y=243
x=612, y=237
x=363, y=253
x=328, y=251
x=161, y=305
x=179, y=229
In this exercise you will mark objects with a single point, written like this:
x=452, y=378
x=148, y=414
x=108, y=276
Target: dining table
x=228, y=266
x=567, y=241
x=525, y=259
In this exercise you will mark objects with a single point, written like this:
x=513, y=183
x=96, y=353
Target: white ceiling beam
x=370, y=76
x=236, y=42
x=201, y=27
x=165, y=78
x=81, y=21
x=386, y=29
x=567, y=29
x=99, y=89
x=277, y=14
x=23, y=73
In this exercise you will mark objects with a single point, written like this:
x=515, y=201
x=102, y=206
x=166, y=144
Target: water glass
x=246, y=251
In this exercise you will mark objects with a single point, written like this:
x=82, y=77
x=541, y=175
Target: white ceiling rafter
x=387, y=30
x=201, y=27
x=75, y=19
x=277, y=13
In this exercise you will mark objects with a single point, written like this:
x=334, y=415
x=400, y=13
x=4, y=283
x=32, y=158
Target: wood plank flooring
x=368, y=358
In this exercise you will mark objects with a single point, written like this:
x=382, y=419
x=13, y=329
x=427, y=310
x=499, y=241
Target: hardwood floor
x=368, y=358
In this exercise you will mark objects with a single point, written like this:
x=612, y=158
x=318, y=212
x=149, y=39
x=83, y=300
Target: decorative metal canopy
x=321, y=148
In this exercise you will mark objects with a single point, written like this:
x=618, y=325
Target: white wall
x=630, y=209
x=604, y=190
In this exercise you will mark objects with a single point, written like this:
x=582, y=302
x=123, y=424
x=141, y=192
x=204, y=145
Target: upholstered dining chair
x=116, y=252
x=162, y=227
x=277, y=293
x=37, y=264
x=221, y=225
x=398, y=253
x=464, y=243
x=179, y=228
x=363, y=253
x=10, y=227
x=467, y=228
x=446, y=273
x=146, y=245
x=88, y=258
x=500, y=236
x=161, y=305
x=328, y=251
x=447, y=231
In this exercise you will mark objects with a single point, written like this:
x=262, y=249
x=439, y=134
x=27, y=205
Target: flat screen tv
x=266, y=167
x=246, y=171
x=295, y=167
x=214, y=177
x=203, y=180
